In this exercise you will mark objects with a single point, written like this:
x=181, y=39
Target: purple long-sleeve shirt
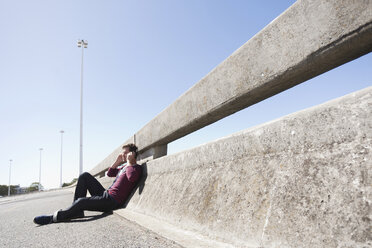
x=124, y=183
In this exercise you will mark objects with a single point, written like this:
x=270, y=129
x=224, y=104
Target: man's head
x=130, y=148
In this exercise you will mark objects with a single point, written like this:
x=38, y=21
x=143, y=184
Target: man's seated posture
x=101, y=200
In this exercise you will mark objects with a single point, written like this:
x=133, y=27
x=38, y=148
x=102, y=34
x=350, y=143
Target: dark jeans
x=100, y=200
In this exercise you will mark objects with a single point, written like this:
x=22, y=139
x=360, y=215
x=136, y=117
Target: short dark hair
x=132, y=148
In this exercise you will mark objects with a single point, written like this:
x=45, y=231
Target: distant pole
x=83, y=44
x=40, y=149
x=10, y=169
x=60, y=178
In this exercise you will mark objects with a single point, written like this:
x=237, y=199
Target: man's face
x=125, y=153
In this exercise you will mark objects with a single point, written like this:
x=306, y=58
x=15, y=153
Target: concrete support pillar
x=153, y=153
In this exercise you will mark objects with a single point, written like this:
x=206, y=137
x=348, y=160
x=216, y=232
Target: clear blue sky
x=141, y=53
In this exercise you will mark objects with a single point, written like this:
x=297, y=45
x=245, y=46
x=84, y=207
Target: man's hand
x=119, y=161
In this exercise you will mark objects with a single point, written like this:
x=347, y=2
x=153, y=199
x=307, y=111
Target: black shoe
x=43, y=219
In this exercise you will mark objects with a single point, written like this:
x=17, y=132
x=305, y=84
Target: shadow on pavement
x=88, y=218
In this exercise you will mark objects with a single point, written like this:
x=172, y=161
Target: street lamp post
x=10, y=169
x=40, y=149
x=83, y=44
x=60, y=178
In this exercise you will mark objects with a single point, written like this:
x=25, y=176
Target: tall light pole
x=60, y=178
x=40, y=149
x=83, y=44
x=10, y=169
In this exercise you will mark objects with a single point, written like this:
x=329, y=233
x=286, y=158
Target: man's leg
x=102, y=203
x=87, y=182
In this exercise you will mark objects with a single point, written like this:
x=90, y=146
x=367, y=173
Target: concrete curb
x=171, y=232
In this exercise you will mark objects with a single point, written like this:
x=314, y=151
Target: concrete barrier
x=310, y=38
x=303, y=180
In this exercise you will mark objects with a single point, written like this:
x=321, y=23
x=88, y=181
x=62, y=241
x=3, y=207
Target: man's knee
x=85, y=175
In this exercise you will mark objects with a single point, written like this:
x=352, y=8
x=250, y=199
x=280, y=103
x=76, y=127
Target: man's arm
x=113, y=170
x=133, y=173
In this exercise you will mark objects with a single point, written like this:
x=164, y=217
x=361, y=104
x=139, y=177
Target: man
x=101, y=200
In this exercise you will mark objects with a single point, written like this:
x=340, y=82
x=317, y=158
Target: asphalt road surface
x=95, y=230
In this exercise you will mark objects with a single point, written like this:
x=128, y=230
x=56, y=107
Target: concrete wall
x=301, y=181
